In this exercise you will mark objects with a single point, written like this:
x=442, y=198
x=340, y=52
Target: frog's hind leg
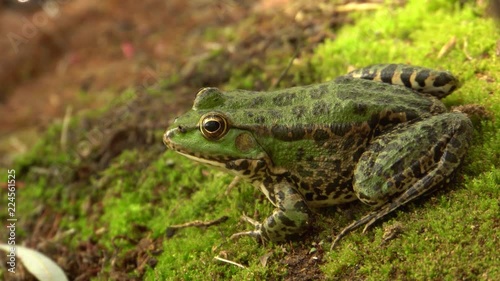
x=405, y=163
x=434, y=82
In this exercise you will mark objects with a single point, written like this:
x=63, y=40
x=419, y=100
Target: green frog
x=379, y=134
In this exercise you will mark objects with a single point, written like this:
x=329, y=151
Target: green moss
x=199, y=196
x=412, y=34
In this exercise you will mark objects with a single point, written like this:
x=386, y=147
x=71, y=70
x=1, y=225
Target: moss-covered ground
x=120, y=214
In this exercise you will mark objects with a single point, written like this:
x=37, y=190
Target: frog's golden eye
x=213, y=126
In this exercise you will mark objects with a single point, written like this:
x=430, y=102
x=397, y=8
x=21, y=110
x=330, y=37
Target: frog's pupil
x=212, y=126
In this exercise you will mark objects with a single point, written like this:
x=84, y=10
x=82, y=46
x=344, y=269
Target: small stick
x=469, y=57
x=447, y=47
x=171, y=230
x=230, y=262
x=285, y=71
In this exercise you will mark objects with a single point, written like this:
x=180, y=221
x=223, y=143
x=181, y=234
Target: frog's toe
x=368, y=220
x=368, y=224
x=252, y=233
x=384, y=210
x=250, y=220
x=257, y=233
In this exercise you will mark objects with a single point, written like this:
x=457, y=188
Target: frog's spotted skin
x=331, y=143
x=438, y=83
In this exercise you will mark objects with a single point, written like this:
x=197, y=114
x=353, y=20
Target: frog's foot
x=257, y=233
x=367, y=220
x=289, y=220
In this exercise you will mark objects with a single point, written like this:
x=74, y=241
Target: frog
x=379, y=134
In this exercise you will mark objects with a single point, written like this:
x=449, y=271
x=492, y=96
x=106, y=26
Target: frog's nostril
x=181, y=129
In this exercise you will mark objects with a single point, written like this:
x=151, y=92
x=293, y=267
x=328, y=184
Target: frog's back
x=345, y=100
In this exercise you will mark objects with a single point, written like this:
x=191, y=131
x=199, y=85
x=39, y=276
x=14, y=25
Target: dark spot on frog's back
x=284, y=99
x=320, y=108
x=274, y=114
x=260, y=119
x=257, y=101
x=299, y=111
x=318, y=93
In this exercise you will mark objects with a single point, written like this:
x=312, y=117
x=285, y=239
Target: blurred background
x=62, y=55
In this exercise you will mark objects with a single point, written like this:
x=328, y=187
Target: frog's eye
x=213, y=126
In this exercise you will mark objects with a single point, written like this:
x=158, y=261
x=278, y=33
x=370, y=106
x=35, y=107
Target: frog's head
x=208, y=134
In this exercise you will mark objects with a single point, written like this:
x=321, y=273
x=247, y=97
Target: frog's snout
x=170, y=134
x=167, y=137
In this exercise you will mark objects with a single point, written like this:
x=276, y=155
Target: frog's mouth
x=203, y=160
x=244, y=167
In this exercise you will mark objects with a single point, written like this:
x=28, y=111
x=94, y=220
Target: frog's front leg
x=289, y=219
x=405, y=163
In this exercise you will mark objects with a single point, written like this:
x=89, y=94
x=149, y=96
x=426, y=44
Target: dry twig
x=171, y=230
x=230, y=262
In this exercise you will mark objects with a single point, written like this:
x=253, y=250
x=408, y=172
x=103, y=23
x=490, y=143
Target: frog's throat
x=203, y=160
x=251, y=169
